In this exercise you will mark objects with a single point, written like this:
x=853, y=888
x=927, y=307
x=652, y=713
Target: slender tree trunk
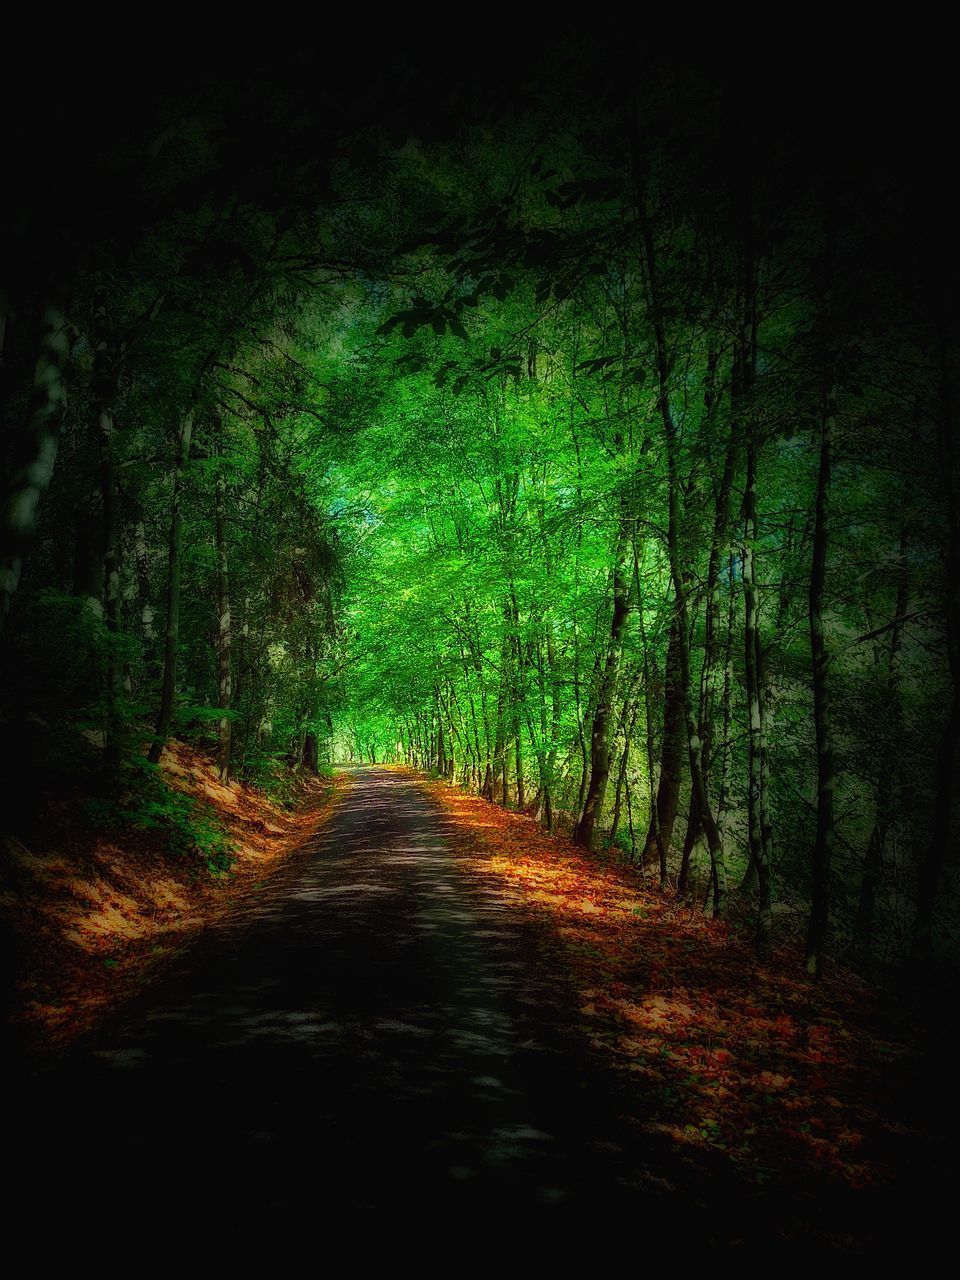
x=744, y=375
x=142, y=560
x=539, y=737
x=826, y=779
x=225, y=639
x=172, y=635
x=711, y=647
x=585, y=832
x=887, y=771
x=629, y=724
x=633, y=834
x=105, y=385
x=36, y=454
x=517, y=698
x=726, y=713
x=658, y=845
x=589, y=713
x=758, y=846
x=673, y=537
x=500, y=771
x=518, y=764
x=664, y=812
x=691, y=835
x=556, y=712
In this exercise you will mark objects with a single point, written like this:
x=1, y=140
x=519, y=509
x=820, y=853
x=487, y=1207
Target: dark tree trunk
x=662, y=819
x=585, y=832
x=36, y=453
x=758, y=832
x=311, y=752
x=105, y=375
x=629, y=724
x=826, y=779
x=672, y=443
x=887, y=781
x=711, y=650
x=172, y=635
x=225, y=633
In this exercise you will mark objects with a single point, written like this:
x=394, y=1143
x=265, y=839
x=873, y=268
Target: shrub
x=150, y=804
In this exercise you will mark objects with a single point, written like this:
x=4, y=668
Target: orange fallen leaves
x=99, y=917
x=727, y=1053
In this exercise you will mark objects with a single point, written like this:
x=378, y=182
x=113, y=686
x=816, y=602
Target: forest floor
x=91, y=916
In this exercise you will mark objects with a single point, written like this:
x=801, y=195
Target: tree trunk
x=759, y=843
x=36, y=454
x=589, y=711
x=887, y=768
x=500, y=741
x=105, y=387
x=629, y=724
x=517, y=699
x=648, y=717
x=673, y=536
x=172, y=635
x=664, y=812
x=225, y=639
x=826, y=780
x=142, y=559
x=586, y=829
x=726, y=713
x=711, y=647
x=311, y=752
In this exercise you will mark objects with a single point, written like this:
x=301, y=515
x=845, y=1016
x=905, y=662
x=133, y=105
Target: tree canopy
x=578, y=429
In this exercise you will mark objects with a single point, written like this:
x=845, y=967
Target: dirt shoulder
x=91, y=917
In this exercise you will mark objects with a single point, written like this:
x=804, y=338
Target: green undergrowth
x=273, y=776
x=186, y=826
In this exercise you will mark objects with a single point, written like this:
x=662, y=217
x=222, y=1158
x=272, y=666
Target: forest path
x=370, y=1034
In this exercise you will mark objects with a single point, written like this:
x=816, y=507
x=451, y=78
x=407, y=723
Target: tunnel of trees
x=579, y=431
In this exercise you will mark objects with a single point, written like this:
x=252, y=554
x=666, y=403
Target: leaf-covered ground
x=748, y=1061
x=95, y=914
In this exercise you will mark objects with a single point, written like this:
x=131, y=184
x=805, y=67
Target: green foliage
x=621, y=847
x=271, y=775
x=149, y=803
x=67, y=650
x=427, y=387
